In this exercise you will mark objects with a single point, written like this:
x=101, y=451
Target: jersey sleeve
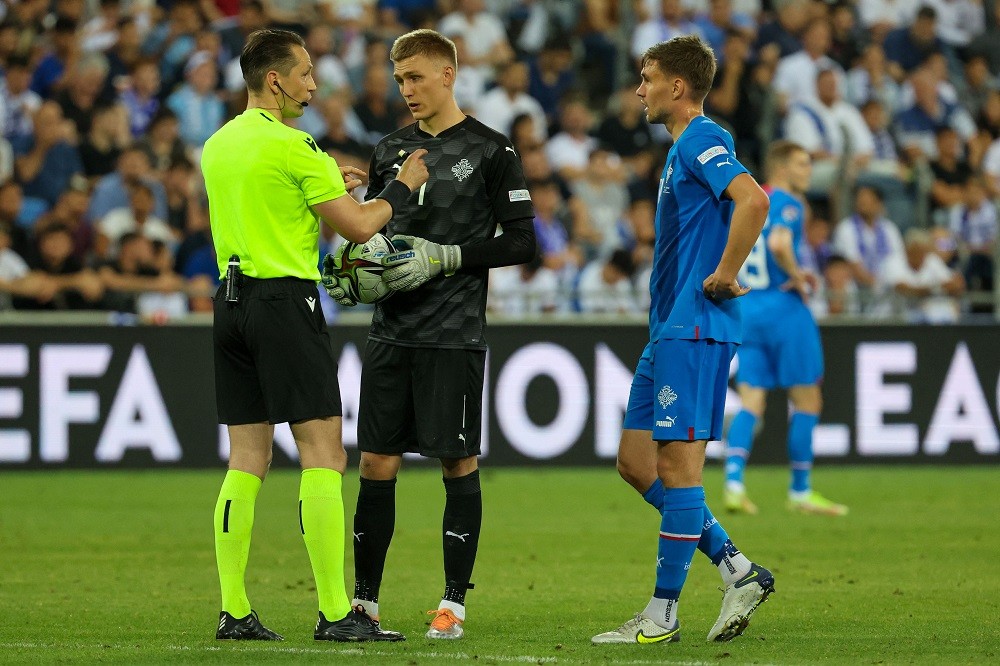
x=506, y=187
x=315, y=172
x=710, y=156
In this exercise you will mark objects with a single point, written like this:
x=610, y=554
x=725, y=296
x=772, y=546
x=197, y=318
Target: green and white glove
x=332, y=285
x=417, y=260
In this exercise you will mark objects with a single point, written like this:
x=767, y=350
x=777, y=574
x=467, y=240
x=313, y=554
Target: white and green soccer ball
x=358, y=269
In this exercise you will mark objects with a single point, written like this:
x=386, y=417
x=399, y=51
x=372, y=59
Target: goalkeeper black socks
x=463, y=519
x=374, y=523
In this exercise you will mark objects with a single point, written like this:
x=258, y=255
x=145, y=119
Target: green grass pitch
x=119, y=567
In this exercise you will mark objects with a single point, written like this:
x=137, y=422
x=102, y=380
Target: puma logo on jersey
x=460, y=537
x=397, y=167
x=724, y=163
x=510, y=149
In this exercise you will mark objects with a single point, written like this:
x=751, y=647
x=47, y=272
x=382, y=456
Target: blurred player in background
x=781, y=344
x=422, y=378
x=709, y=213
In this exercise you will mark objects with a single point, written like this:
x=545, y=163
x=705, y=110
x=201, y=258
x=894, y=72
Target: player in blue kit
x=781, y=344
x=708, y=216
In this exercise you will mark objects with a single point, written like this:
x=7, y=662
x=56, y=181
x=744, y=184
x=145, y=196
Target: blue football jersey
x=760, y=271
x=692, y=226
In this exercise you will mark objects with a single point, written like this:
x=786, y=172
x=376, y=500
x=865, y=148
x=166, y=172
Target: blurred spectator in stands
x=641, y=218
x=523, y=134
x=378, y=116
x=86, y=87
x=185, y=215
x=141, y=95
x=870, y=79
x=739, y=95
x=470, y=82
x=796, y=77
x=569, y=150
x=958, y=21
x=671, y=23
x=603, y=193
x=136, y=280
x=528, y=289
x=199, y=109
x=880, y=17
x=927, y=290
x=559, y=253
x=172, y=42
x=624, y=129
x=78, y=287
x=829, y=128
x=20, y=102
x=848, y=39
x=137, y=217
x=408, y=12
x=485, y=35
x=109, y=134
x=951, y=171
x=987, y=42
x=252, y=16
x=329, y=70
x=868, y=240
x=337, y=140
x=112, y=191
x=885, y=155
x=605, y=285
x=599, y=28
x=916, y=125
x=552, y=75
x=162, y=143
x=719, y=20
x=50, y=74
x=790, y=18
x=906, y=48
x=498, y=107
x=974, y=223
x=885, y=170
x=976, y=86
x=11, y=204
x=838, y=293
x=16, y=279
x=945, y=246
x=100, y=33
x=70, y=212
x=126, y=53
x=815, y=250
x=46, y=163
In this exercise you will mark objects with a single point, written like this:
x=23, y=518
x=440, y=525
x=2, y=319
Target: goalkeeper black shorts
x=273, y=359
x=416, y=399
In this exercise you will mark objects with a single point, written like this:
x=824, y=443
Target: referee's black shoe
x=245, y=629
x=356, y=627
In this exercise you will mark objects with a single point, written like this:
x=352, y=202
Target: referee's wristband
x=396, y=193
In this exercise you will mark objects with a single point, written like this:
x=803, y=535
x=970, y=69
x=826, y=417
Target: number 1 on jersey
x=420, y=197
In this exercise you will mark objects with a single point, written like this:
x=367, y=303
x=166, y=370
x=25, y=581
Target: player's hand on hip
x=333, y=285
x=417, y=260
x=804, y=284
x=414, y=172
x=718, y=288
x=353, y=177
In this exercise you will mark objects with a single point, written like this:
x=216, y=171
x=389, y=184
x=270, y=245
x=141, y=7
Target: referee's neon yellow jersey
x=261, y=177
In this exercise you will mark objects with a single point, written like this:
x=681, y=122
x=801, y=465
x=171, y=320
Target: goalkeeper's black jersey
x=476, y=183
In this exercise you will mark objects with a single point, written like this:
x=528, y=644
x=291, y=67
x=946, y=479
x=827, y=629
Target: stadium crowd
x=106, y=104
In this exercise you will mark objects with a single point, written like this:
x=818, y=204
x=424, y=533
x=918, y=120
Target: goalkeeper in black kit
x=422, y=379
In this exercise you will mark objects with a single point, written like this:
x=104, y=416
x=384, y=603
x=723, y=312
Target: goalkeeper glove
x=332, y=284
x=417, y=260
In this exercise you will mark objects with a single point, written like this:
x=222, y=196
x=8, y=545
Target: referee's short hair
x=687, y=57
x=265, y=50
x=429, y=43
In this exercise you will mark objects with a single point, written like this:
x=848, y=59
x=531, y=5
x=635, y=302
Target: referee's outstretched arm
x=359, y=222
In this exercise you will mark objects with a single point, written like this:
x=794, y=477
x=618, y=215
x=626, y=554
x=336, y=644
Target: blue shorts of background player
x=679, y=389
x=782, y=353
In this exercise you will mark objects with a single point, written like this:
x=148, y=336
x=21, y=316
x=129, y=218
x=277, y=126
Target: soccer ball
x=359, y=268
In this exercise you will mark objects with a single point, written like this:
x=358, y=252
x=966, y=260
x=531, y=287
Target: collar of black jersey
x=444, y=134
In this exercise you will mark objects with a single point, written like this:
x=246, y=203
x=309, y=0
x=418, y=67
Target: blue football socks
x=740, y=444
x=800, y=449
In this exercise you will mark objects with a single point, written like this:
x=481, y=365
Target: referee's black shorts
x=428, y=401
x=273, y=360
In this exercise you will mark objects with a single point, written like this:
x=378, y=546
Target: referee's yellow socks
x=321, y=519
x=233, y=525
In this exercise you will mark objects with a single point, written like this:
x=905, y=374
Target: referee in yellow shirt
x=268, y=186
